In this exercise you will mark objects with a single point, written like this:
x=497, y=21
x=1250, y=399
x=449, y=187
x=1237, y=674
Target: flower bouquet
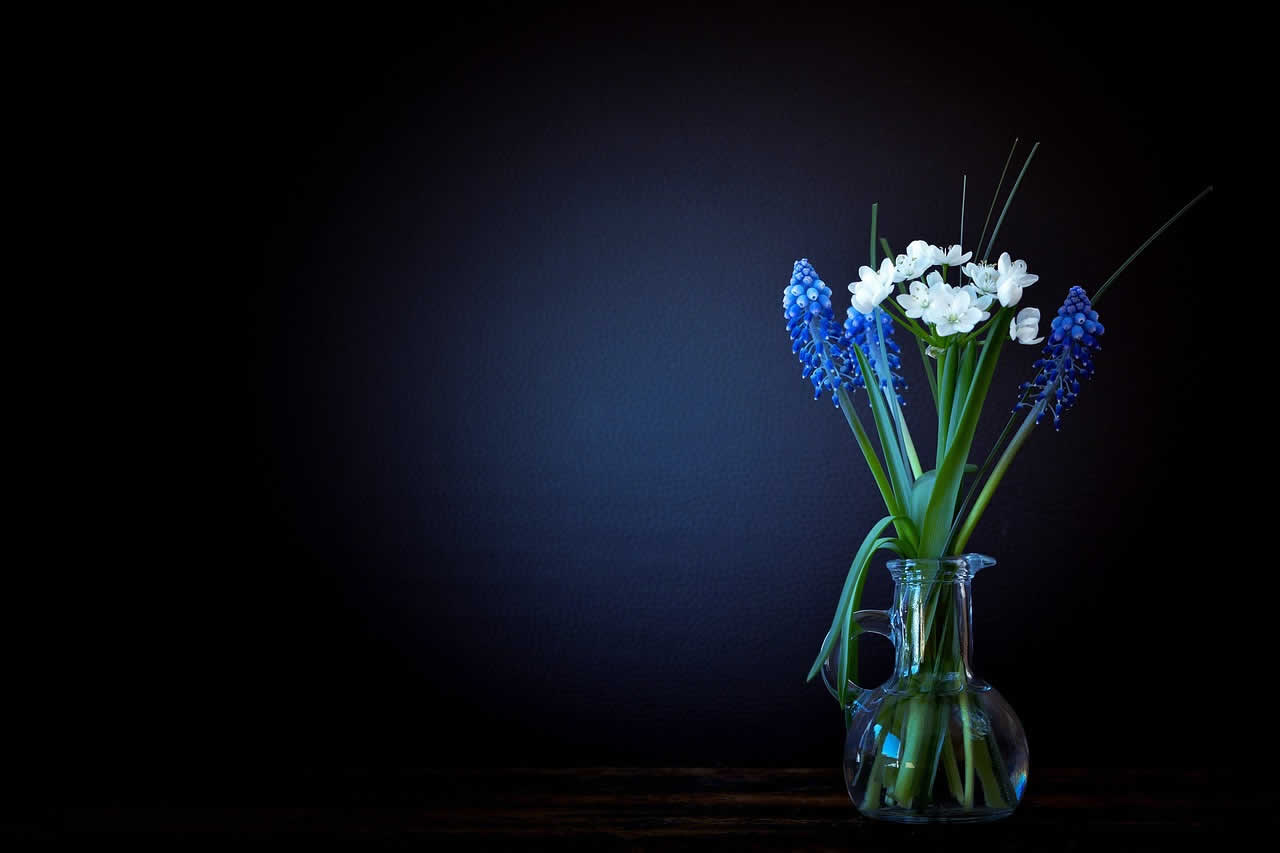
x=935, y=742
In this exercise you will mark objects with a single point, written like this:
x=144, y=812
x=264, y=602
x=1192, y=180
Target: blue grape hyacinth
x=1068, y=357
x=807, y=295
x=815, y=334
x=860, y=330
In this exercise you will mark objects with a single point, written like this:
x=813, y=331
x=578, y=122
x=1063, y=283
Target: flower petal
x=1008, y=292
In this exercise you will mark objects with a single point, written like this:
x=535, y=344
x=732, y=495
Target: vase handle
x=867, y=622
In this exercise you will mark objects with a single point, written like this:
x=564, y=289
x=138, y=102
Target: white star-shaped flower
x=982, y=301
x=919, y=257
x=1013, y=276
x=951, y=257
x=985, y=277
x=873, y=287
x=917, y=301
x=953, y=311
x=1024, y=327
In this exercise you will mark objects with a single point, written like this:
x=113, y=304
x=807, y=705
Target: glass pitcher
x=935, y=743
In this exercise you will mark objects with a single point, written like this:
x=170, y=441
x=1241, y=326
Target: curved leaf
x=850, y=638
x=898, y=471
x=921, y=491
x=856, y=569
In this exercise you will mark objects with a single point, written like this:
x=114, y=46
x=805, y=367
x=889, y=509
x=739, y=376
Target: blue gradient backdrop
x=536, y=479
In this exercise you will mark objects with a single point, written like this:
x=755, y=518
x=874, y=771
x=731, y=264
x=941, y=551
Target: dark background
x=518, y=468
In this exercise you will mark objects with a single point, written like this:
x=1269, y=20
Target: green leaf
x=853, y=580
x=921, y=491
x=909, y=534
x=888, y=253
x=897, y=546
x=868, y=452
x=885, y=375
x=898, y=470
x=920, y=494
x=936, y=529
x=850, y=638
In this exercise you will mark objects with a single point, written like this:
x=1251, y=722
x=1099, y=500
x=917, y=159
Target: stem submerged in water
x=967, y=740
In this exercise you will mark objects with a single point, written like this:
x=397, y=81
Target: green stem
x=886, y=377
x=940, y=730
x=992, y=790
x=949, y=763
x=1007, y=793
x=915, y=739
x=990, y=343
x=899, y=316
x=995, y=196
x=986, y=465
x=875, y=208
x=871, y=800
x=964, y=191
x=928, y=371
x=964, y=381
x=1101, y=290
x=1008, y=201
x=899, y=469
x=899, y=733
x=961, y=538
x=946, y=391
x=967, y=739
x=868, y=452
x=888, y=253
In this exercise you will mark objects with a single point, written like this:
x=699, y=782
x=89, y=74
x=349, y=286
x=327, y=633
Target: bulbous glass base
x=915, y=756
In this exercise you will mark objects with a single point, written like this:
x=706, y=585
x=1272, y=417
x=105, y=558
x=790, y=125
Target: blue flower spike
x=815, y=334
x=860, y=330
x=1068, y=357
x=807, y=294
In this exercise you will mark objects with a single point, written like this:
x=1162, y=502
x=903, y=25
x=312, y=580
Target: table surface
x=647, y=808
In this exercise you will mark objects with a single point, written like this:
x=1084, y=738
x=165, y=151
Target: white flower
x=919, y=257
x=1013, y=277
x=982, y=301
x=873, y=288
x=951, y=257
x=984, y=276
x=953, y=311
x=1023, y=329
x=920, y=297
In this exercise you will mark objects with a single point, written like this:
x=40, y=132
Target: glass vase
x=935, y=743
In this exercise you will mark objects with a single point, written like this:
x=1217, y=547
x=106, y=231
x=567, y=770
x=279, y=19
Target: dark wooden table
x=594, y=808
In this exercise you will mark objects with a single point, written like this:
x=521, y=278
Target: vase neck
x=932, y=622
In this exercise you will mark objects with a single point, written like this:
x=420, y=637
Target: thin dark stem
x=1008, y=201
x=1098, y=294
x=996, y=195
